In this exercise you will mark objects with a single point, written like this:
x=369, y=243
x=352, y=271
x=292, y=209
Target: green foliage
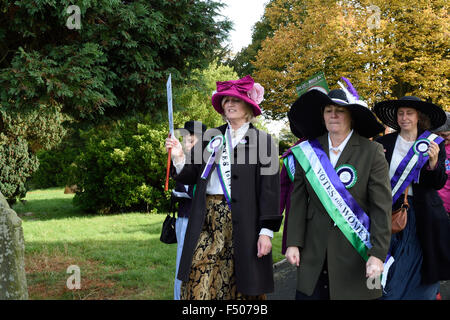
x=55, y=166
x=286, y=140
x=17, y=164
x=122, y=167
x=193, y=101
x=242, y=61
x=119, y=58
x=116, y=65
x=388, y=49
x=51, y=170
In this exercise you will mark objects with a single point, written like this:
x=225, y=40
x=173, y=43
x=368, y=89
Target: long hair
x=424, y=122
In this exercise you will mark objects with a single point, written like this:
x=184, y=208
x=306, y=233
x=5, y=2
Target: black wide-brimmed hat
x=194, y=127
x=446, y=125
x=296, y=131
x=386, y=111
x=306, y=113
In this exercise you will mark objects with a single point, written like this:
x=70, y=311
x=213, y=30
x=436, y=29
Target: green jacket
x=312, y=230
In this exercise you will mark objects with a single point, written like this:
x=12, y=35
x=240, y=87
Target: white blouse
x=335, y=157
x=214, y=186
x=400, y=150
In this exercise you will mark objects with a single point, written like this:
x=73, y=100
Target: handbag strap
x=173, y=209
x=405, y=200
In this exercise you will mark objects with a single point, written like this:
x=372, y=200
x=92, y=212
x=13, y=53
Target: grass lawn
x=119, y=256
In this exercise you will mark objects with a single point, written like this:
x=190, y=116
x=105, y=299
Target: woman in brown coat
x=339, y=222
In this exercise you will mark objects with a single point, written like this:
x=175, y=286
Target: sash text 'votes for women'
x=343, y=208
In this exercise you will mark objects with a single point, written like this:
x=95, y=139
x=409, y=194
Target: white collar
x=342, y=145
x=240, y=131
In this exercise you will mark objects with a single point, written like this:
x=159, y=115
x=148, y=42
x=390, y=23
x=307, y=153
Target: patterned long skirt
x=212, y=270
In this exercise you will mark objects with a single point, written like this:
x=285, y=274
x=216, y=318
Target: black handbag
x=168, y=234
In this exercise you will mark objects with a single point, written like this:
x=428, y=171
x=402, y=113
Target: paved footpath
x=285, y=280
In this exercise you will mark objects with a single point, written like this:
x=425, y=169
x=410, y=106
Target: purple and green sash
x=224, y=165
x=334, y=196
x=409, y=168
x=289, y=163
x=213, y=146
x=224, y=168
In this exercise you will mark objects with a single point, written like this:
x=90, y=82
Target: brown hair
x=424, y=122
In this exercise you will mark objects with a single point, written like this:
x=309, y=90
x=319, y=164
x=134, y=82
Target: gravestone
x=13, y=283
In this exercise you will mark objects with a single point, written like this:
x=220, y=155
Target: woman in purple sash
x=227, y=248
x=320, y=243
x=416, y=159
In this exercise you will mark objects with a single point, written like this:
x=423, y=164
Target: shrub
x=55, y=164
x=17, y=163
x=122, y=168
x=52, y=170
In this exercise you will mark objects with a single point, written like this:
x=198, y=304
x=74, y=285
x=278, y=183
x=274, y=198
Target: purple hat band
x=235, y=88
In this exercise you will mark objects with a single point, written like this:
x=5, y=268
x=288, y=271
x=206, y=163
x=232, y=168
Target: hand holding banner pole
x=170, y=113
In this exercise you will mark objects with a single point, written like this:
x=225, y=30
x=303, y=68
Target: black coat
x=184, y=204
x=433, y=223
x=255, y=205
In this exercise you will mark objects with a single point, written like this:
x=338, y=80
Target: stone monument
x=13, y=283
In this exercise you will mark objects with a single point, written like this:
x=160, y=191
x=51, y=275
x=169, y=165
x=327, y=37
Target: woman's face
x=407, y=118
x=234, y=108
x=337, y=119
x=189, y=141
x=446, y=136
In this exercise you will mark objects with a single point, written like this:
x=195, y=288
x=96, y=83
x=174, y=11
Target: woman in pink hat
x=227, y=248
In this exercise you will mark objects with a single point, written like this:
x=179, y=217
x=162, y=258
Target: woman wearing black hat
x=416, y=158
x=339, y=223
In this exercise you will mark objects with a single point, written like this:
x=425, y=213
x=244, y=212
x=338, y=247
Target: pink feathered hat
x=245, y=89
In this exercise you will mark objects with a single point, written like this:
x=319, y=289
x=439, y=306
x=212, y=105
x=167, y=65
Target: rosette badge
x=215, y=143
x=213, y=146
x=421, y=147
x=347, y=174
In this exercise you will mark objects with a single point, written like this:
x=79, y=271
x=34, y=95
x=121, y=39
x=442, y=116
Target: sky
x=244, y=14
